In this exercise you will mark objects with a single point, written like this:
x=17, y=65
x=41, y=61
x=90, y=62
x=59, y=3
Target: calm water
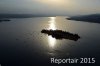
x=22, y=43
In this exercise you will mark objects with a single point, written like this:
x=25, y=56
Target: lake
x=23, y=44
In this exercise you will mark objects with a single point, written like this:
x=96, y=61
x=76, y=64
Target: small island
x=59, y=34
x=2, y=20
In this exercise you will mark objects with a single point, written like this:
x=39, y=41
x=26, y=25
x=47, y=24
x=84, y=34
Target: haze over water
x=50, y=7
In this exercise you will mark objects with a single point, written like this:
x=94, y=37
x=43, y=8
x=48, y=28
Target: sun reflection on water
x=52, y=25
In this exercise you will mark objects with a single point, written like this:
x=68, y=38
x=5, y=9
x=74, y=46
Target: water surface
x=22, y=43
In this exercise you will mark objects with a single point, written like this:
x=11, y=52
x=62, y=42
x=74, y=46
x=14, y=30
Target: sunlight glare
x=52, y=41
x=52, y=25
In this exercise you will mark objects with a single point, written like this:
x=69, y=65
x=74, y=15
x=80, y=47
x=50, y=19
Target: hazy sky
x=57, y=7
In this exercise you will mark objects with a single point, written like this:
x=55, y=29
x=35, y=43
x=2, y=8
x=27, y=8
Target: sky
x=50, y=7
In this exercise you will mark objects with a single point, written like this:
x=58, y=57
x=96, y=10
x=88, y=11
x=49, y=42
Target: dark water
x=23, y=44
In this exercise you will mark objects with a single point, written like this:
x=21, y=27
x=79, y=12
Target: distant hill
x=94, y=18
x=15, y=15
x=22, y=15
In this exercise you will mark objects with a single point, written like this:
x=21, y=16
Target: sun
x=51, y=1
x=54, y=0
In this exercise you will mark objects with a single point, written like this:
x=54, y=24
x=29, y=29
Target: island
x=59, y=34
x=2, y=20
